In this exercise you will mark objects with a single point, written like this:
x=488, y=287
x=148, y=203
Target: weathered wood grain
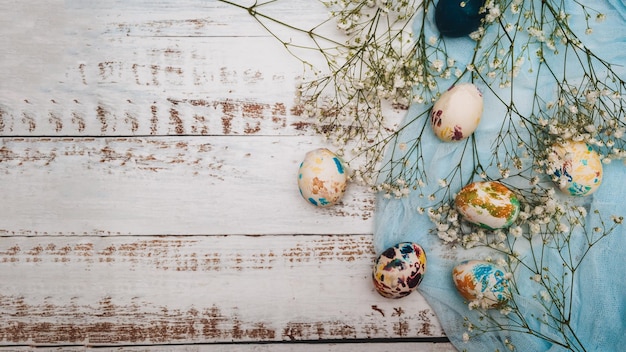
x=268, y=347
x=169, y=185
x=148, y=154
x=138, y=68
x=152, y=290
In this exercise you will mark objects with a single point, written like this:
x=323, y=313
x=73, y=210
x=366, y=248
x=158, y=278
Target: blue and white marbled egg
x=481, y=282
x=322, y=178
x=399, y=270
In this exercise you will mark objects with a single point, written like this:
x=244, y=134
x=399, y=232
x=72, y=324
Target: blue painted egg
x=481, y=282
x=322, y=179
x=458, y=18
x=399, y=270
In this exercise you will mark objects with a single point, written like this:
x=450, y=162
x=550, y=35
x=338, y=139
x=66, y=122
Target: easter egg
x=578, y=169
x=322, y=179
x=399, y=270
x=489, y=204
x=457, y=112
x=457, y=18
x=482, y=282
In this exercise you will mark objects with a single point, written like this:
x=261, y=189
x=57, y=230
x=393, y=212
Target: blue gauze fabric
x=599, y=300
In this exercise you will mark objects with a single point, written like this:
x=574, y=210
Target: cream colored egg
x=322, y=179
x=578, y=168
x=457, y=112
x=488, y=204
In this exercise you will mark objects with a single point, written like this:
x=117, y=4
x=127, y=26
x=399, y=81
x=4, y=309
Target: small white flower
x=516, y=231
x=617, y=219
x=437, y=65
x=466, y=337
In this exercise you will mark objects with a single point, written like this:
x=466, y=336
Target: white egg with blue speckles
x=322, y=178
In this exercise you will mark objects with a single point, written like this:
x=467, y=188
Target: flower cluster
x=384, y=57
x=551, y=288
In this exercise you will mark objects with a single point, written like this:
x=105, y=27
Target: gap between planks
x=391, y=345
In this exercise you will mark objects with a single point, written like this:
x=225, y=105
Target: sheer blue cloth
x=599, y=289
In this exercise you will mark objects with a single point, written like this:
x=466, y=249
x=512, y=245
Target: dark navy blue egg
x=457, y=18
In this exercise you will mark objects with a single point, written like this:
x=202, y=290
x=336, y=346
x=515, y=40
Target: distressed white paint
x=333, y=347
x=148, y=159
x=190, y=289
x=167, y=185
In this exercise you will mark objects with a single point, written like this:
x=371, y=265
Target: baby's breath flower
x=380, y=63
x=516, y=231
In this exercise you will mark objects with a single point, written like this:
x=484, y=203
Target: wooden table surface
x=148, y=154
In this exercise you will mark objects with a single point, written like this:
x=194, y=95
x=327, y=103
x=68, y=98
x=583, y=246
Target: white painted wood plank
x=330, y=347
x=172, y=185
x=139, y=68
x=154, y=290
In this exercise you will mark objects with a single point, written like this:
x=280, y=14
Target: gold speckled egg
x=489, y=204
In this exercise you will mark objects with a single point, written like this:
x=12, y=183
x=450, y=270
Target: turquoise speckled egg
x=399, y=270
x=481, y=282
x=322, y=179
x=578, y=170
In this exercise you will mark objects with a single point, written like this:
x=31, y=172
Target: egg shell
x=578, y=169
x=457, y=18
x=482, y=282
x=399, y=270
x=488, y=204
x=457, y=112
x=322, y=179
